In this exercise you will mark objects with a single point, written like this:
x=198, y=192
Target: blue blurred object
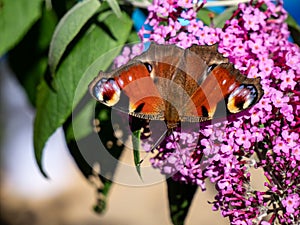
x=293, y=8
x=183, y=22
x=139, y=19
x=216, y=9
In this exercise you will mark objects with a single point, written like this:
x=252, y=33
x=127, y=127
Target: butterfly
x=177, y=85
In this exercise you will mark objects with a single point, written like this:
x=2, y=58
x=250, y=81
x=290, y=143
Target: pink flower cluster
x=255, y=39
x=127, y=54
x=175, y=22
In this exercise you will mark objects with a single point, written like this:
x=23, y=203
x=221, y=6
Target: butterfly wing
x=166, y=61
x=177, y=74
x=224, y=91
x=208, y=53
x=193, y=83
x=131, y=82
x=172, y=84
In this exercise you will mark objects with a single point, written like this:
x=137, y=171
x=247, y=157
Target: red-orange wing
x=224, y=91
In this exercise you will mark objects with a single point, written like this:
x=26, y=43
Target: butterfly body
x=178, y=85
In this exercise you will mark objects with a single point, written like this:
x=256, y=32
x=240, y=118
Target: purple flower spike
x=255, y=39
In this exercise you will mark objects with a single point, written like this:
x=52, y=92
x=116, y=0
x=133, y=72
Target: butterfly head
x=106, y=91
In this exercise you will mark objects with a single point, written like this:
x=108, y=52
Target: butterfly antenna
x=155, y=145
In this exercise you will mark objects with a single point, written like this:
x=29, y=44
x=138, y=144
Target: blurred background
x=26, y=197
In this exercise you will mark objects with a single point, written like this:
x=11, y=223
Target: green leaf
x=136, y=138
x=133, y=37
x=82, y=146
x=94, y=150
x=16, y=18
x=221, y=18
x=180, y=198
x=100, y=206
x=75, y=152
x=292, y=22
x=115, y=7
x=61, y=7
x=107, y=167
x=30, y=70
x=81, y=122
x=203, y=15
x=67, y=29
x=54, y=107
x=294, y=29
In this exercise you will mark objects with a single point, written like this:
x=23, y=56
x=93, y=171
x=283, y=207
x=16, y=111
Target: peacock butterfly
x=178, y=85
